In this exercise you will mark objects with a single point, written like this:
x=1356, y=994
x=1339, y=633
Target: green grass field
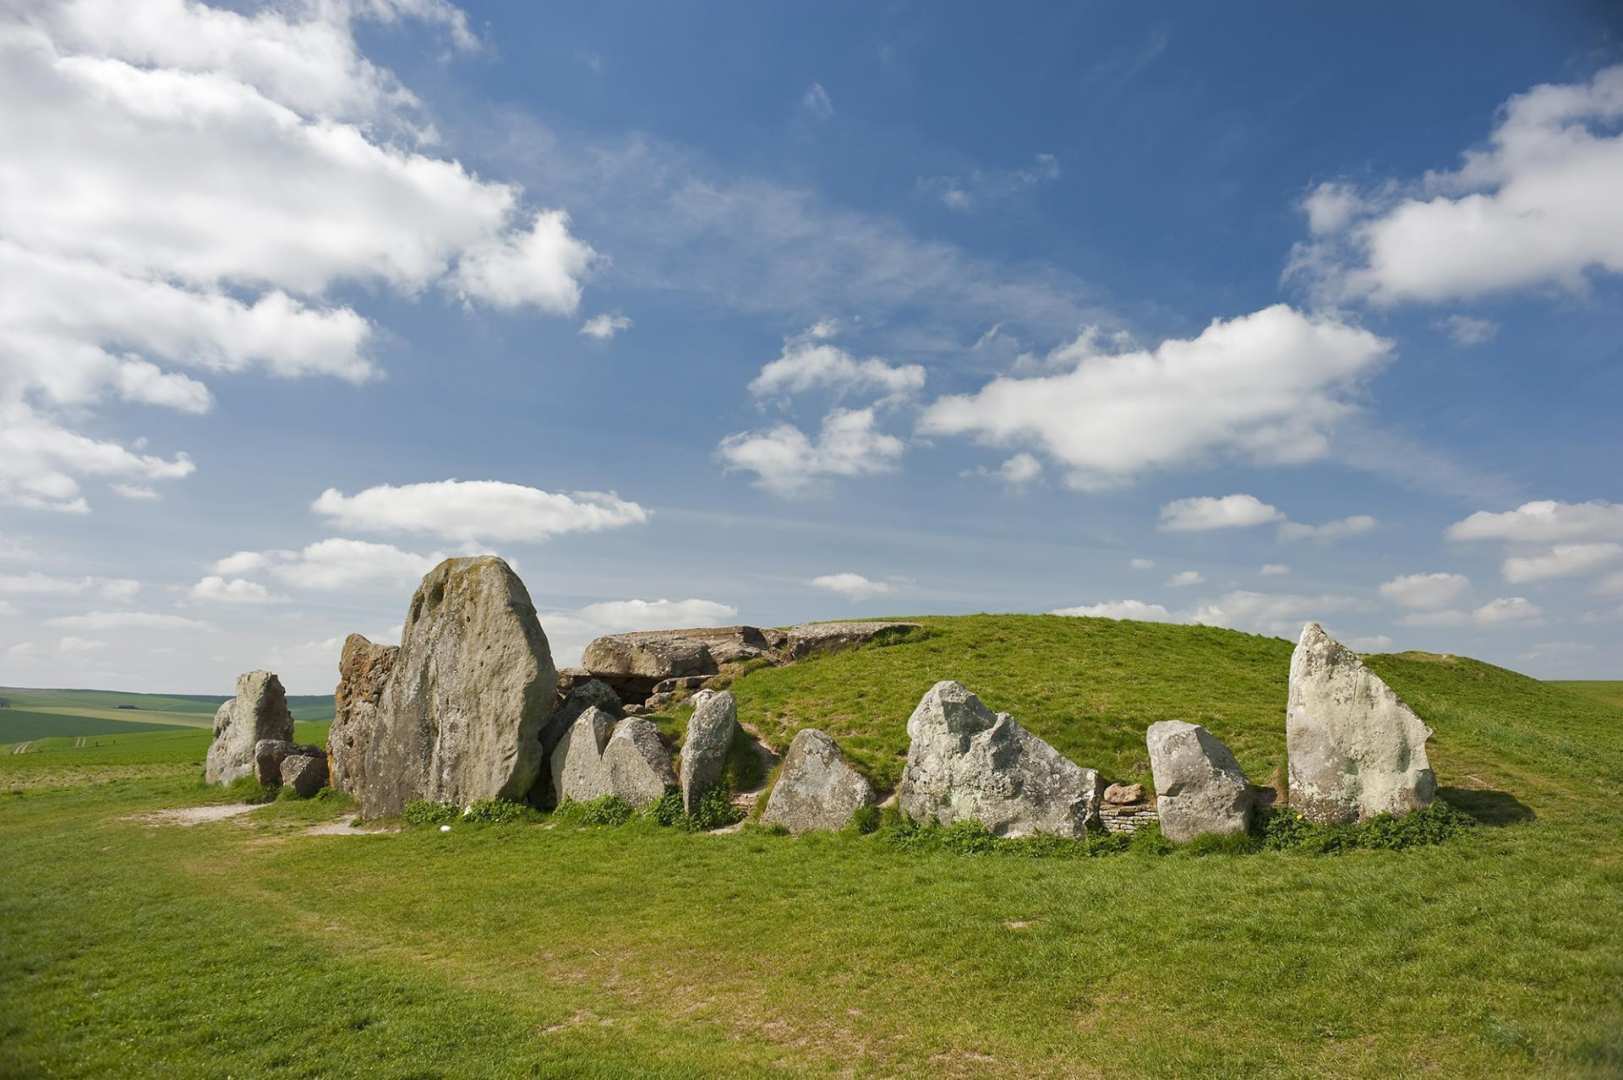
x=1607, y=690
x=248, y=947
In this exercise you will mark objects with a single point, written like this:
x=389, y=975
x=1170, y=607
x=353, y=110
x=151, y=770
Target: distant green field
x=20, y=725
x=1609, y=691
x=38, y=714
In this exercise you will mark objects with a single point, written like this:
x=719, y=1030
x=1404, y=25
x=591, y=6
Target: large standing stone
x=1200, y=788
x=363, y=676
x=259, y=711
x=461, y=713
x=711, y=731
x=817, y=788
x=306, y=774
x=1355, y=749
x=966, y=763
x=596, y=757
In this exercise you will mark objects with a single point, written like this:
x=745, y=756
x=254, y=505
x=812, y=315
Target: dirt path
x=196, y=815
x=21, y=748
x=345, y=826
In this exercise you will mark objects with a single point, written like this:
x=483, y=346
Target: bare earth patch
x=196, y=815
x=345, y=826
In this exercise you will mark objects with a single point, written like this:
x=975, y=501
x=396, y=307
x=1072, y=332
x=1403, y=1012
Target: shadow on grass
x=1488, y=807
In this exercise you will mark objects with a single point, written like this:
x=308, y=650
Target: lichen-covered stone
x=1200, y=788
x=597, y=757
x=363, y=676
x=1355, y=749
x=966, y=763
x=710, y=734
x=306, y=774
x=259, y=711
x=460, y=715
x=633, y=664
x=817, y=788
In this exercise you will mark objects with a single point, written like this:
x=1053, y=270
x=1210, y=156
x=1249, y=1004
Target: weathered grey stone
x=577, y=760
x=635, y=663
x=682, y=682
x=363, y=676
x=306, y=774
x=817, y=788
x=269, y=755
x=1200, y=788
x=638, y=763
x=813, y=638
x=259, y=711
x=597, y=757
x=585, y=694
x=711, y=731
x=966, y=763
x=1124, y=794
x=461, y=714
x=1355, y=749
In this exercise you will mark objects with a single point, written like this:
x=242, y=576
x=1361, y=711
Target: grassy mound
x=559, y=946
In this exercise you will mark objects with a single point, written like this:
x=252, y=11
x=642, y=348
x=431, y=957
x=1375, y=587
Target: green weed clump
x=428, y=812
x=715, y=811
x=248, y=789
x=497, y=812
x=1285, y=830
x=608, y=810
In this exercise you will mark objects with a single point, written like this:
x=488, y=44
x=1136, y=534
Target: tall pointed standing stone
x=259, y=711
x=1356, y=749
x=459, y=716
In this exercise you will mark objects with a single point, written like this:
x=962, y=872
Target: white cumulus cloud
x=1120, y=609
x=218, y=590
x=126, y=620
x=786, y=462
x=809, y=362
x=1507, y=609
x=605, y=326
x=1536, y=206
x=1185, y=578
x=1562, y=560
x=1544, y=521
x=852, y=586
x=1207, y=512
x=1436, y=590
x=1328, y=531
x=1269, y=387
x=471, y=511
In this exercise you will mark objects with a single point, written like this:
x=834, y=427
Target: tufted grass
x=247, y=947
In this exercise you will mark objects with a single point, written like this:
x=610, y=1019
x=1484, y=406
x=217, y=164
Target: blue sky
x=713, y=313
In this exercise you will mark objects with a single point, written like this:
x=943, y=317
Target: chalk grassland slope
x=247, y=946
x=1608, y=690
x=90, y=712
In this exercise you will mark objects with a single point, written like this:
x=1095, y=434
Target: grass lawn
x=1607, y=690
x=248, y=947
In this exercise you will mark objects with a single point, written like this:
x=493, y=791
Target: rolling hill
x=554, y=948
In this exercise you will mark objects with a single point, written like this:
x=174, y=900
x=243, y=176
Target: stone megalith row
x=966, y=763
x=1355, y=749
x=597, y=757
x=258, y=712
x=455, y=714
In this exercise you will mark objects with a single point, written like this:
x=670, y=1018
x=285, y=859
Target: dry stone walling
x=1355, y=749
x=258, y=712
x=966, y=763
x=456, y=713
